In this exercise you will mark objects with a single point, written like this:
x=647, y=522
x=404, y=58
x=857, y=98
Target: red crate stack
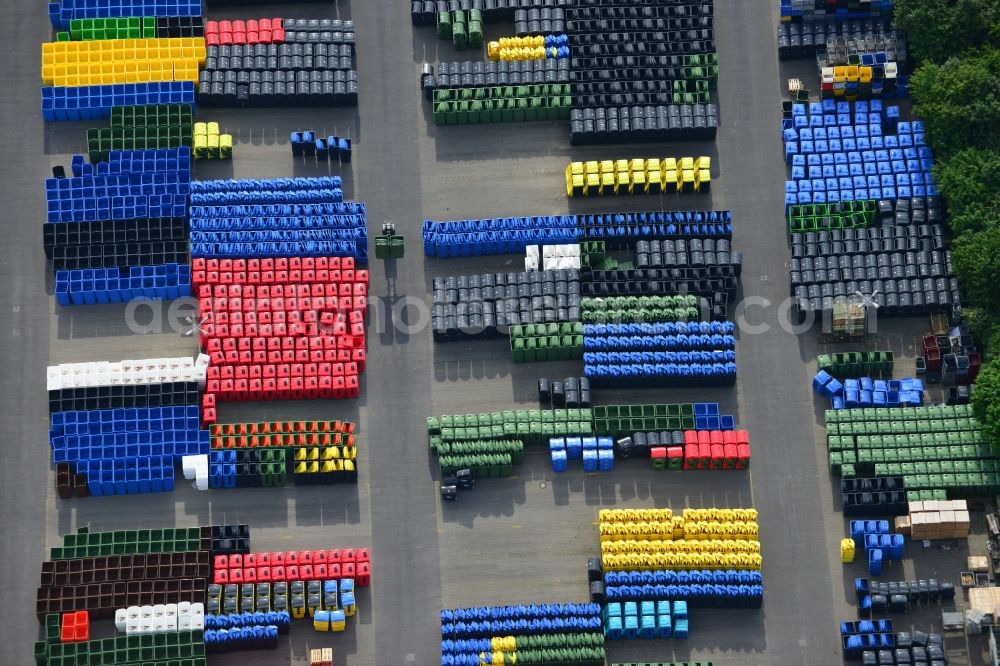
x=283, y=328
x=716, y=449
x=304, y=565
x=75, y=627
x=253, y=31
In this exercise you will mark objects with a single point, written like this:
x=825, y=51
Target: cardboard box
x=916, y=507
x=903, y=525
x=947, y=518
x=962, y=520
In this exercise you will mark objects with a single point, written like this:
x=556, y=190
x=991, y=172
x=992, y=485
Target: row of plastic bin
x=109, y=397
x=507, y=235
x=293, y=387
x=314, y=88
x=597, y=453
x=148, y=474
x=84, y=543
x=500, y=110
x=259, y=235
x=713, y=457
x=113, y=420
x=704, y=577
x=292, y=558
x=124, y=650
x=72, y=53
x=869, y=392
x=80, y=450
x=517, y=626
x=897, y=596
x=168, y=160
x=694, y=329
x=712, y=596
x=331, y=148
x=135, y=27
x=162, y=618
x=294, y=272
x=126, y=256
x=267, y=197
x=693, y=524
x=656, y=341
x=279, y=619
x=62, y=13
x=133, y=371
x=664, y=544
x=117, y=185
x=252, y=31
x=866, y=635
x=360, y=572
x=245, y=638
x=616, y=126
x=95, y=102
x=516, y=613
x=820, y=38
x=659, y=619
x=76, y=287
x=488, y=74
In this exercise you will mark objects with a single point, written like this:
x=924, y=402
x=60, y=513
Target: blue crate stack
x=869, y=392
x=61, y=13
x=95, y=102
x=289, y=217
x=879, y=545
x=645, y=619
x=844, y=152
x=866, y=635
x=666, y=354
x=728, y=588
x=127, y=451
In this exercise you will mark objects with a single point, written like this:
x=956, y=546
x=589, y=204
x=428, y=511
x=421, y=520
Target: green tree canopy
x=969, y=180
x=939, y=29
x=975, y=260
x=959, y=102
x=986, y=402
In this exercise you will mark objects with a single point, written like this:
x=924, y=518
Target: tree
x=986, y=403
x=975, y=258
x=959, y=103
x=938, y=29
x=974, y=217
x=968, y=182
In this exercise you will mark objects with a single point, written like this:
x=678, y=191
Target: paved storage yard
x=518, y=540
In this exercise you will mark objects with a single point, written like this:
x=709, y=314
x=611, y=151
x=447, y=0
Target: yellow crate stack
x=655, y=539
x=209, y=144
x=114, y=61
x=518, y=48
x=639, y=176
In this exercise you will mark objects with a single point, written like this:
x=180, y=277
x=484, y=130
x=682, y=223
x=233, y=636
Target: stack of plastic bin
x=843, y=152
x=124, y=441
x=522, y=634
x=707, y=557
x=116, y=230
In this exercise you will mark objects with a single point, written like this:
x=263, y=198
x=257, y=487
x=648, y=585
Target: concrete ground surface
x=517, y=540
